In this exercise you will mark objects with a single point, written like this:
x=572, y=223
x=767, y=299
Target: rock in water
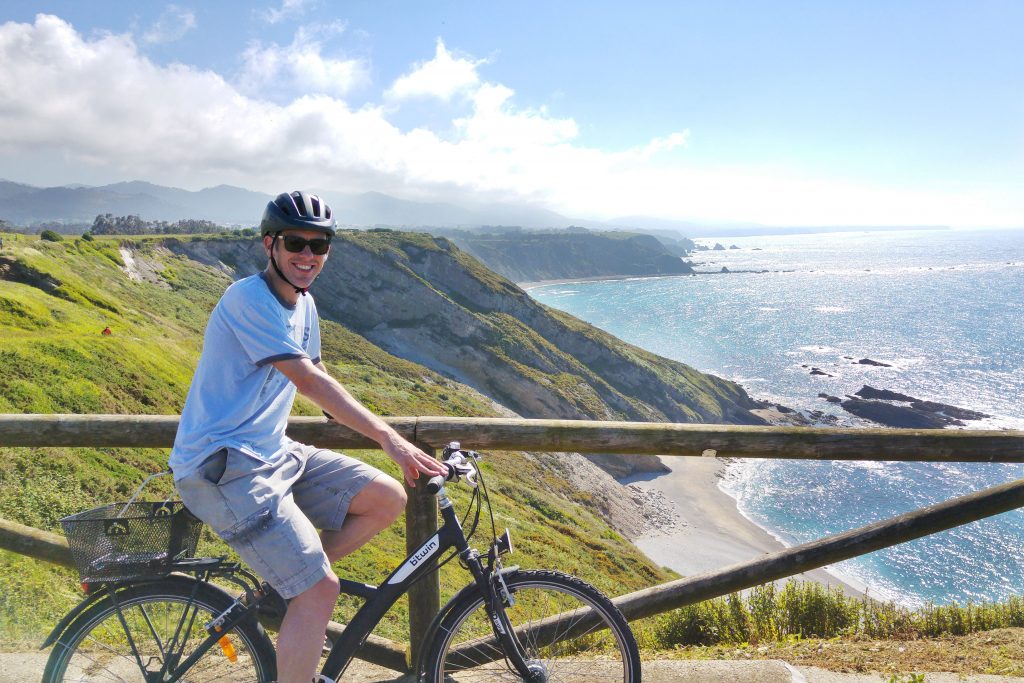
x=897, y=416
x=948, y=410
x=877, y=363
x=867, y=391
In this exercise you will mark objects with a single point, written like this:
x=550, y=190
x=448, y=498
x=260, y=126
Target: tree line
x=108, y=224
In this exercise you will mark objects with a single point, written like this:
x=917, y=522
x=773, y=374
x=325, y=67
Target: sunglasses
x=296, y=244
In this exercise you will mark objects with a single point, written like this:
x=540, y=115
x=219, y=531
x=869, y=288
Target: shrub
x=806, y=609
x=50, y=236
x=88, y=237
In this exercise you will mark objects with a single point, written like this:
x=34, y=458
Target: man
x=235, y=468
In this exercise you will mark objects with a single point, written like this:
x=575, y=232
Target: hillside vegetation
x=55, y=300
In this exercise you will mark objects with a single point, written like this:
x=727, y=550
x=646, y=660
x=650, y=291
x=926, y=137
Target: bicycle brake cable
x=437, y=564
x=490, y=510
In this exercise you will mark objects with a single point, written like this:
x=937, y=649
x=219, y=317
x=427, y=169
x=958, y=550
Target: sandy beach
x=710, y=532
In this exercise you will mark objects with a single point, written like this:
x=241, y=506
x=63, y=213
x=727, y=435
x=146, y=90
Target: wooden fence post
x=425, y=595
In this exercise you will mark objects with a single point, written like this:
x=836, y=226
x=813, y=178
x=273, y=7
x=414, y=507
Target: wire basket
x=128, y=540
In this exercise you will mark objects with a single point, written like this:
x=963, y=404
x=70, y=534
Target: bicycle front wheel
x=567, y=629
x=156, y=626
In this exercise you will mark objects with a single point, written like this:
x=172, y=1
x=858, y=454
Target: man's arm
x=314, y=383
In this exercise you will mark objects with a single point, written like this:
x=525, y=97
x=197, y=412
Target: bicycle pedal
x=273, y=606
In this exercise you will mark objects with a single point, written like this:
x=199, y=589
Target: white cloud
x=442, y=77
x=172, y=24
x=288, y=8
x=300, y=68
x=109, y=111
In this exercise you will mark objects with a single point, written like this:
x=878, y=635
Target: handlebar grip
x=435, y=483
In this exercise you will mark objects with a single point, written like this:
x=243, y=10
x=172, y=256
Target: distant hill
x=524, y=256
x=25, y=204
x=374, y=209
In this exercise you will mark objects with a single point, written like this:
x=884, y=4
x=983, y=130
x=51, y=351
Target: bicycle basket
x=128, y=540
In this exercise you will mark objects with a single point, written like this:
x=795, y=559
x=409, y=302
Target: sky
x=789, y=113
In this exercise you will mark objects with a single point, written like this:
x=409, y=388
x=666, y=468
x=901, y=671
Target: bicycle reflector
x=228, y=648
x=504, y=543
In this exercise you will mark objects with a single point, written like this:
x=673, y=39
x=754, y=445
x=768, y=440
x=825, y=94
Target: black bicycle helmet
x=297, y=211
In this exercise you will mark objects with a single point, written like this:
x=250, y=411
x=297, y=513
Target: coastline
x=711, y=532
x=526, y=286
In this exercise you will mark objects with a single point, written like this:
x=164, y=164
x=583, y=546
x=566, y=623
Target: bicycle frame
x=379, y=599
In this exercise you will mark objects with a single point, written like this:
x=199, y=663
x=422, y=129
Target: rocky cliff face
x=423, y=299
x=535, y=256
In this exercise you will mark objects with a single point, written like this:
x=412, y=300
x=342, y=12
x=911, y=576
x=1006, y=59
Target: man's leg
x=301, y=638
x=372, y=510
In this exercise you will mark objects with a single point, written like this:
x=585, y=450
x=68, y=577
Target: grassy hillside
x=56, y=298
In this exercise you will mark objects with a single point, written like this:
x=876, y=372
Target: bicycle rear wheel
x=569, y=631
x=157, y=623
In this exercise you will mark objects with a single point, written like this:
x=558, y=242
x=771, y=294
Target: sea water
x=943, y=308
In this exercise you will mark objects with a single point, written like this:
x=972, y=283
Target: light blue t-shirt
x=237, y=398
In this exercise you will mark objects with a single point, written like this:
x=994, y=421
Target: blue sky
x=784, y=113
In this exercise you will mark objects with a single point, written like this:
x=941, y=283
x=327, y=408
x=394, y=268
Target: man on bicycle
x=235, y=468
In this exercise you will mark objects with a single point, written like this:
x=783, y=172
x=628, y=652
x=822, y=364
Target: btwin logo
x=424, y=552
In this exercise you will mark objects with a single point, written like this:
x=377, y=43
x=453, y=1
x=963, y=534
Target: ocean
x=943, y=308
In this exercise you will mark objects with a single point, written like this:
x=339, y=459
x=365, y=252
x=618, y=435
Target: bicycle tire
x=96, y=647
x=465, y=649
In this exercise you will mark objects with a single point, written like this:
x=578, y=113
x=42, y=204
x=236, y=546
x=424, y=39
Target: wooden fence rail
x=579, y=436
x=624, y=438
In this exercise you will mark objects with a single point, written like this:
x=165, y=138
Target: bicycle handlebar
x=458, y=463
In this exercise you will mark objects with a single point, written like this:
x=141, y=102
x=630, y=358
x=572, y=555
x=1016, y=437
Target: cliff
x=423, y=299
x=531, y=256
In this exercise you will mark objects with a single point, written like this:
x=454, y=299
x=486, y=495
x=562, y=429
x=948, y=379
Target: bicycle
x=154, y=615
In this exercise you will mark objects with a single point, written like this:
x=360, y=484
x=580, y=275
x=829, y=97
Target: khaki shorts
x=269, y=513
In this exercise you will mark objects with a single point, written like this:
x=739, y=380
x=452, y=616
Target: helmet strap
x=273, y=262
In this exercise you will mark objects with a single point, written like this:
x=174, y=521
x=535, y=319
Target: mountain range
x=29, y=205
x=22, y=204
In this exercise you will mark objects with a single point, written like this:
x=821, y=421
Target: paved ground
x=28, y=667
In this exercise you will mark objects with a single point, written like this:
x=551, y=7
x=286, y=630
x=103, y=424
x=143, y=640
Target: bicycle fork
x=498, y=598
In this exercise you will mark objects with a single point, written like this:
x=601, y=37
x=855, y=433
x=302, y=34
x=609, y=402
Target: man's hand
x=412, y=460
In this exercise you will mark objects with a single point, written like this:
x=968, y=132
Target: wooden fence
x=625, y=438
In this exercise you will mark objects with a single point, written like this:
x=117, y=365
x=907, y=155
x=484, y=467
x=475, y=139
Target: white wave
x=874, y=465
x=818, y=349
